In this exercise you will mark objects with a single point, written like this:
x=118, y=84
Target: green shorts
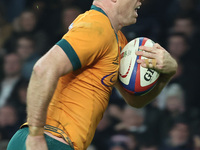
x=19, y=139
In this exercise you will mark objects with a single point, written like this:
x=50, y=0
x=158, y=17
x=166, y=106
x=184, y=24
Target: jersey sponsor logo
x=110, y=79
x=116, y=60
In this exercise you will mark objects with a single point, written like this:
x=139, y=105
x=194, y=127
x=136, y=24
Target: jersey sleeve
x=84, y=44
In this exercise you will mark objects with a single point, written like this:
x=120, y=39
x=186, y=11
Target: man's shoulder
x=94, y=21
x=94, y=15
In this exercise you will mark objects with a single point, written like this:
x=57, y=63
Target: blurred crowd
x=29, y=28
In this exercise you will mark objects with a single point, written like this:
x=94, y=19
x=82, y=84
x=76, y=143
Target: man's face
x=174, y=104
x=8, y=116
x=28, y=21
x=12, y=65
x=132, y=118
x=179, y=133
x=25, y=48
x=184, y=26
x=127, y=11
x=177, y=46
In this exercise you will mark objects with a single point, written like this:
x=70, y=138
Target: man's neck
x=107, y=8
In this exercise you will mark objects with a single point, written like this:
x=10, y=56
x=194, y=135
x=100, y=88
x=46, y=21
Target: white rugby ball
x=132, y=76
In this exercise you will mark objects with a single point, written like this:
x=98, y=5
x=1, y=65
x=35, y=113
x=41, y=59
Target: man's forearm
x=40, y=92
x=45, y=76
x=147, y=98
x=141, y=101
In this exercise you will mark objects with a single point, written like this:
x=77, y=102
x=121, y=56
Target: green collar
x=93, y=7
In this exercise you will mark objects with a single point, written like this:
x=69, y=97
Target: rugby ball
x=133, y=77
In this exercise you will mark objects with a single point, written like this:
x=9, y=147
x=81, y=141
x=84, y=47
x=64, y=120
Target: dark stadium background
x=28, y=28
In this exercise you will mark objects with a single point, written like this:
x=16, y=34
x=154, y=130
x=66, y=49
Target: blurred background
x=29, y=28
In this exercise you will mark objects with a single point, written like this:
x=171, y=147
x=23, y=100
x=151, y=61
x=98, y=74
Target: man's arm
x=45, y=75
x=141, y=101
x=167, y=67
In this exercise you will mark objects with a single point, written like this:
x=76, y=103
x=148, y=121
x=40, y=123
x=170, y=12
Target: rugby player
x=71, y=84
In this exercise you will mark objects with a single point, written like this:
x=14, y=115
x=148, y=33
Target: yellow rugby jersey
x=82, y=96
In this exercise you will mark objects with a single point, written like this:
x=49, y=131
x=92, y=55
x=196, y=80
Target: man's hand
x=158, y=59
x=36, y=143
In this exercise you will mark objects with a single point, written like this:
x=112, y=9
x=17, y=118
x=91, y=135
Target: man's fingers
x=154, y=62
x=146, y=54
x=142, y=62
x=148, y=49
x=139, y=61
x=148, y=63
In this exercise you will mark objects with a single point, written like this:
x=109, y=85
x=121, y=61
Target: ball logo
x=149, y=74
x=124, y=54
